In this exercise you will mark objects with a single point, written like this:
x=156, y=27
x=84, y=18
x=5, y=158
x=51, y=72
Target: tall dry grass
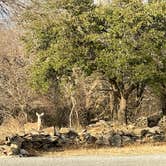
x=9, y=127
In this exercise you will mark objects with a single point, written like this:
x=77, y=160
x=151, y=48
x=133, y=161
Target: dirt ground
x=157, y=148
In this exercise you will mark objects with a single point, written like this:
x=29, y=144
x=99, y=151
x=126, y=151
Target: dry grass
x=159, y=148
x=12, y=126
x=9, y=127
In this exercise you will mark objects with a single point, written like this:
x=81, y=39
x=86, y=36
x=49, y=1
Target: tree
x=11, y=6
x=62, y=34
x=159, y=86
x=16, y=97
x=132, y=45
x=121, y=40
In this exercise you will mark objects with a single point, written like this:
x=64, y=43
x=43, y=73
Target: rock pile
x=98, y=135
x=21, y=145
x=124, y=135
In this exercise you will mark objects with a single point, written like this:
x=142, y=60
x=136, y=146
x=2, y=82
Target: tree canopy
x=62, y=34
x=135, y=42
x=124, y=40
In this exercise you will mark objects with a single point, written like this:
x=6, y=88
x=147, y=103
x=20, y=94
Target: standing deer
x=39, y=120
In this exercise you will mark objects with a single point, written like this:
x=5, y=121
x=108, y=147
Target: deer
x=39, y=120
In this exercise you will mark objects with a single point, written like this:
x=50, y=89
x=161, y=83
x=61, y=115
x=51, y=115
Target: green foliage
x=62, y=35
x=124, y=40
x=134, y=42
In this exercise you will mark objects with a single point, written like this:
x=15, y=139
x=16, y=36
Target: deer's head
x=39, y=115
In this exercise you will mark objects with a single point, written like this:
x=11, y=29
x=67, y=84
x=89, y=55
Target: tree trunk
x=122, y=111
x=77, y=119
x=22, y=116
x=163, y=103
x=114, y=106
x=72, y=110
x=70, y=117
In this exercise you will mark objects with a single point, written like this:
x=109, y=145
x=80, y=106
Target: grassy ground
x=159, y=148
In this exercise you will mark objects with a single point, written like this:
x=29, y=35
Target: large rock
x=24, y=153
x=104, y=140
x=88, y=138
x=152, y=134
x=15, y=143
x=159, y=137
x=116, y=140
x=71, y=134
x=154, y=119
x=15, y=140
x=126, y=140
x=101, y=141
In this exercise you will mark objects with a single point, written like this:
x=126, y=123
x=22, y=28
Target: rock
x=18, y=140
x=138, y=132
x=144, y=132
x=15, y=143
x=162, y=123
x=69, y=138
x=35, y=133
x=113, y=136
x=141, y=132
x=141, y=122
x=155, y=130
x=103, y=141
x=98, y=127
x=14, y=149
x=154, y=119
x=100, y=141
x=131, y=127
x=127, y=140
x=89, y=139
x=27, y=143
x=152, y=134
x=159, y=137
x=116, y=140
x=71, y=134
x=24, y=153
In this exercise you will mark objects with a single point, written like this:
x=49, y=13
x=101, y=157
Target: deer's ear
x=42, y=113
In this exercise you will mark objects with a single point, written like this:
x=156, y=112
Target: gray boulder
x=23, y=153
x=153, y=120
x=159, y=137
x=103, y=141
x=116, y=140
x=89, y=139
x=127, y=140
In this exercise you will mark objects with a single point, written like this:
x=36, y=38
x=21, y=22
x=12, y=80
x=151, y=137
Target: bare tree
x=11, y=6
x=15, y=93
